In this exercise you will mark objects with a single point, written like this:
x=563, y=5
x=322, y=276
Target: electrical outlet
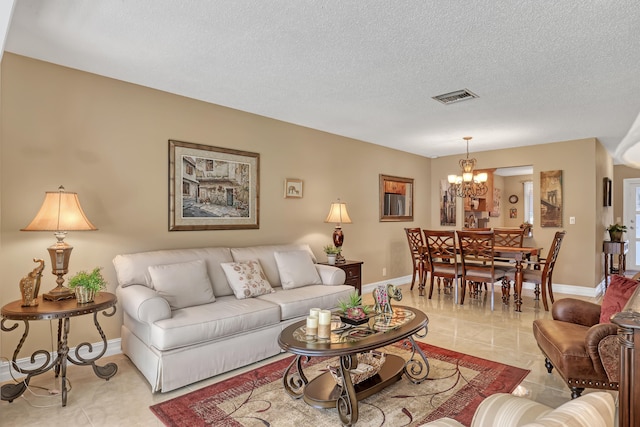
x=572, y=220
x=384, y=272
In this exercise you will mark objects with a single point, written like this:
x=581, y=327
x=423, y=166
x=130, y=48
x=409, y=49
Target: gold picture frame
x=396, y=198
x=212, y=188
x=293, y=188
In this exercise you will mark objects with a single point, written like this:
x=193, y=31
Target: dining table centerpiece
x=353, y=311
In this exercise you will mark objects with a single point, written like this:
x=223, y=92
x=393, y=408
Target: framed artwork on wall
x=551, y=198
x=212, y=188
x=292, y=188
x=396, y=198
x=606, y=192
x=447, y=204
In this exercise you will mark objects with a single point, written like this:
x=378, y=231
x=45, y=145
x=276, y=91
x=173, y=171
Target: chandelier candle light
x=60, y=212
x=338, y=214
x=468, y=184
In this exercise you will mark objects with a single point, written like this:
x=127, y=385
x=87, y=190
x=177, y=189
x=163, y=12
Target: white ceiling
x=545, y=71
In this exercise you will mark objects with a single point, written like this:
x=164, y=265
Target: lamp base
x=58, y=294
x=340, y=259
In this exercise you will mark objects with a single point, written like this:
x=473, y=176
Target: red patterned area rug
x=457, y=383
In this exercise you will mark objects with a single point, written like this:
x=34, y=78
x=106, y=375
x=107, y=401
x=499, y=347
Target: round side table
x=63, y=311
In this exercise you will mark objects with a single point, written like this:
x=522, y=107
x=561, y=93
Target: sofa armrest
x=577, y=311
x=143, y=304
x=331, y=275
x=606, y=358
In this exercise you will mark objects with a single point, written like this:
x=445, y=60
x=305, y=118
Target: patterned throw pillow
x=246, y=278
x=616, y=296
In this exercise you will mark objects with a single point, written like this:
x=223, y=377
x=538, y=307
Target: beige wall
x=583, y=244
x=107, y=140
x=620, y=173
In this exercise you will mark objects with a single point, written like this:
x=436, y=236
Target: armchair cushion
x=617, y=294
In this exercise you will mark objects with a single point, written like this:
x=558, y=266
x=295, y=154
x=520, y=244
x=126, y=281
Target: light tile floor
x=502, y=335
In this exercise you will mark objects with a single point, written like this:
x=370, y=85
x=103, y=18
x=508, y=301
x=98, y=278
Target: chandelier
x=468, y=184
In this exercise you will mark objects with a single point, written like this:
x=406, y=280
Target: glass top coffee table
x=346, y=342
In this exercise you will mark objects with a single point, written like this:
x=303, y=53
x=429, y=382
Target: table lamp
x=339, y=215
x=60, y=212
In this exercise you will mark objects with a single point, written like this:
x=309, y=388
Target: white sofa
x=184, y=321
x=597, y=409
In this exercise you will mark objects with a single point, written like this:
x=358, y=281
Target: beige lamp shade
x=60, y=211
x=338, y=213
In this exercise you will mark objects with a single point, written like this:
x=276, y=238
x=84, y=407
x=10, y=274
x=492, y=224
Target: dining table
x=519, y=254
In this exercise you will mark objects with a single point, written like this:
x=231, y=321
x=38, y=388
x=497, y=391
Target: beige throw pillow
x=296, y=269
x=184, y=284
x=246, y=278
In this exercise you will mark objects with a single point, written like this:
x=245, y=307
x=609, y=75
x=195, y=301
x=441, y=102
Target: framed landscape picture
x=212, y=188
x=551, y=198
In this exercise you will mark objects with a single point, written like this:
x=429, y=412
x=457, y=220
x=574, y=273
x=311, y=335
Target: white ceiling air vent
x=457, y=96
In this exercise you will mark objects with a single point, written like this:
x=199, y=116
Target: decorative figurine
x=382, y=296
x=30, y=285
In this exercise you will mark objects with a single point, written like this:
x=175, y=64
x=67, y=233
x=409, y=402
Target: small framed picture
x=513, y=213
x=292, y=188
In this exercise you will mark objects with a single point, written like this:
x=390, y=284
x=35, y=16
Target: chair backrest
x=476, y=253
x=509, y=237
x=550, y=261
x=441, y=248
x=414, y=236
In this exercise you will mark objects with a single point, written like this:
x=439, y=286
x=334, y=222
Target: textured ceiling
x=545, y=71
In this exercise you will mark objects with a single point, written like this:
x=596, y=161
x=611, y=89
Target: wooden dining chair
x=414, y=237
x=541, y=277
x=509, y=237
x=476, y=253
x=442, y=258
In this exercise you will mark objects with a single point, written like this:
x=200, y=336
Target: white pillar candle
x=324, y=324
x=314, y=312
x=312, y=326
x=324, y=318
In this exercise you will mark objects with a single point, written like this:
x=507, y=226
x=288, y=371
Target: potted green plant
x=615, y=232
x=86, y=285
x=332, y=252
x=352, y=310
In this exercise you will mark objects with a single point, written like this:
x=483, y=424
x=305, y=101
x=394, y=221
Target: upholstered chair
x=581, y=342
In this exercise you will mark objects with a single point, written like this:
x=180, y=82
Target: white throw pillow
x=296, y=269
x=246, y=278
x=184, y=284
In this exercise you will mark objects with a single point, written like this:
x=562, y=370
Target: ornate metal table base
x=10, y=392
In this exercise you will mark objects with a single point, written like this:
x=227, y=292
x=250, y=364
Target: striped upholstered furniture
x=595, y=409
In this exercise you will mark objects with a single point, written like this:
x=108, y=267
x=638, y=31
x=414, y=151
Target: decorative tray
x=356, y=322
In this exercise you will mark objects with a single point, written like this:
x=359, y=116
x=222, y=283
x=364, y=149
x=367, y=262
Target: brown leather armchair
x=584, y=352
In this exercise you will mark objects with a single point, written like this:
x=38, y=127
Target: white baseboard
x=582, y=291
x=113, y=348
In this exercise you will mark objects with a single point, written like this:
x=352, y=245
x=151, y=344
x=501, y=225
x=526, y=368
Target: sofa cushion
x=264, y=254
x=296, y=269
x=297, y=302
x=184, y=284
x=132, y=269
x=616, y=296
x=246, y=279
x=227, y=317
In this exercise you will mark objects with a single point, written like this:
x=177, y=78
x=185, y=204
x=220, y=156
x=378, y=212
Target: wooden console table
x=628, y=322
x=610, y=249
x=63, y=311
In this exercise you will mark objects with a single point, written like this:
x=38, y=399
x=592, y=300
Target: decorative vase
x=84, y=295
x=331, y=259
x=616, y=236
